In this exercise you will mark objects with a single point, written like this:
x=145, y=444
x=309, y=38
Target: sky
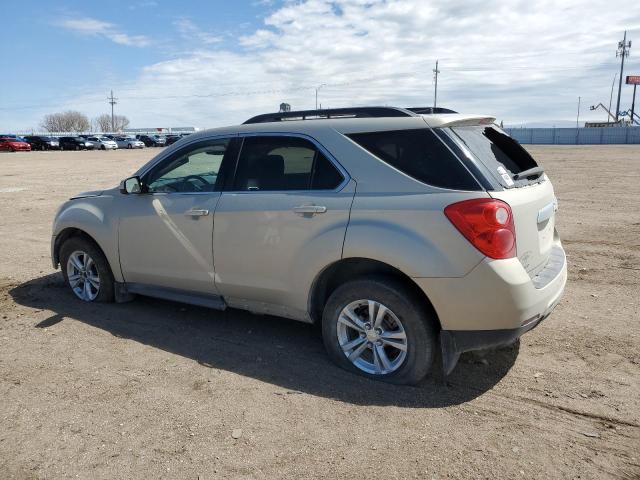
x=213, y=63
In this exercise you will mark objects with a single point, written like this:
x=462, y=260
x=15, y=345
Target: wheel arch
x=67, y=233
x=351, y=268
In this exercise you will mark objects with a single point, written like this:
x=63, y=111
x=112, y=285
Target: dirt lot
x=154, y=389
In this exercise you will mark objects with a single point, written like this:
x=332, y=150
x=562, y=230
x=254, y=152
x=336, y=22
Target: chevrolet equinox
x=405, y=234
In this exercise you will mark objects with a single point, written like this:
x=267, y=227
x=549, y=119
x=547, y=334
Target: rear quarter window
x=420, y=154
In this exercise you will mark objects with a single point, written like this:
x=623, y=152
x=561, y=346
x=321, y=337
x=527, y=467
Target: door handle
x=195, y=212
x=312, y=209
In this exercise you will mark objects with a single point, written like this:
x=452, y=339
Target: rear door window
x=420, y=154
x=501, y=154
x=278, y=163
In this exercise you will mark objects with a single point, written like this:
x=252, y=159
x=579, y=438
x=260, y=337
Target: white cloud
x=191, y=32
x=520, y=61
x=93, y=27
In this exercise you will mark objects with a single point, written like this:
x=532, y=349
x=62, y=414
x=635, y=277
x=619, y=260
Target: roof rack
x=355, y=112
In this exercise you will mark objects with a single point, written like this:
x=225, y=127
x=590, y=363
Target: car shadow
x=283, y=352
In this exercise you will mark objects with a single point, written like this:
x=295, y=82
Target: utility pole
x=622, y=52
x=318, y=88
x=435, y=92
x=578, y=122
x=112, y=101
x=578, y=117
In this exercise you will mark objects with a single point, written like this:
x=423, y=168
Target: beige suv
x=405, y=234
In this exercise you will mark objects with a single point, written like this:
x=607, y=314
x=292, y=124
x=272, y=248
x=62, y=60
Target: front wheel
x=379, y=329
x=86, y=270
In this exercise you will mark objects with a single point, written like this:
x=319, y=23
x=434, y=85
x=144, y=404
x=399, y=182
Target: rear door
x=283, y=220
x=530, y=196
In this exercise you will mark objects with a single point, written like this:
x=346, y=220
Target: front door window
x=196, y=170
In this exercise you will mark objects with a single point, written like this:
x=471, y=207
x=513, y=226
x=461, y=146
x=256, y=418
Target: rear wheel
x=86, y=270
x=377, y=328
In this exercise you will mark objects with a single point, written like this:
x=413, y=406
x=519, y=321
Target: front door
x=165, y=233
x=283, y=220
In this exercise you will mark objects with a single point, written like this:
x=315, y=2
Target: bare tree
x=120, y=122
x=103, y=123
x=69, y=121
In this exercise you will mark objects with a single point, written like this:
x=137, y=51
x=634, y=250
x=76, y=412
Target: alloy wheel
x=83, y=276
x=372, y=337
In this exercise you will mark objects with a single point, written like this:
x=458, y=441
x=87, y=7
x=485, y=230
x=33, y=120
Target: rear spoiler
x=458, y=120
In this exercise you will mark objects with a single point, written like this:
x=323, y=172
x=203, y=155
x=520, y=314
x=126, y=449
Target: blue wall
x=576, y=136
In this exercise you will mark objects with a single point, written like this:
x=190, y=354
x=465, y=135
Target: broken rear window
x=500, y=153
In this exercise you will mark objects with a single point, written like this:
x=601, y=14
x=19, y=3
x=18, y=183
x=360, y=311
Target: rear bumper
x=455, y=342
x=494, y=304
x=495, y=295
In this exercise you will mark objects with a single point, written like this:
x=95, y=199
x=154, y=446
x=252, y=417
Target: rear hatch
x=520, y=182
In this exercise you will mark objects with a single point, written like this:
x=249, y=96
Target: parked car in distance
x=152, y=140
x=128, y=142
x=75, y=143
x=404, y=235
x=39, y=142
x=103, y=143
x=171, y=139
x=14, y=144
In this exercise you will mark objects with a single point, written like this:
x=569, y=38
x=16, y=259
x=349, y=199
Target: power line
x=622, y=52
x=462, y=69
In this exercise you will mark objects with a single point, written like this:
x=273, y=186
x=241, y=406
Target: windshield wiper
x=530, y=172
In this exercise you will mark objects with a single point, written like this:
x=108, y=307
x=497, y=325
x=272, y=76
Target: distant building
x=620, y=123
x=161, y=130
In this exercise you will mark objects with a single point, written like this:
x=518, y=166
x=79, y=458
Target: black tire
x=417, y=321
x=77, y=147
x=129, y=146
x=106, y=291
x=103, y=147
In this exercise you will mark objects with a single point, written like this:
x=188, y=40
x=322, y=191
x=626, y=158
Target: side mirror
x=131, y=185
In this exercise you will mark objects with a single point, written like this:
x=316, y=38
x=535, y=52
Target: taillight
x=487, y=223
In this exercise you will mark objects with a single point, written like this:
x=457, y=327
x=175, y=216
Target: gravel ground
x=154, y=389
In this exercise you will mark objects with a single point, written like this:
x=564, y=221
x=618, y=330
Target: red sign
x=633, y=79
